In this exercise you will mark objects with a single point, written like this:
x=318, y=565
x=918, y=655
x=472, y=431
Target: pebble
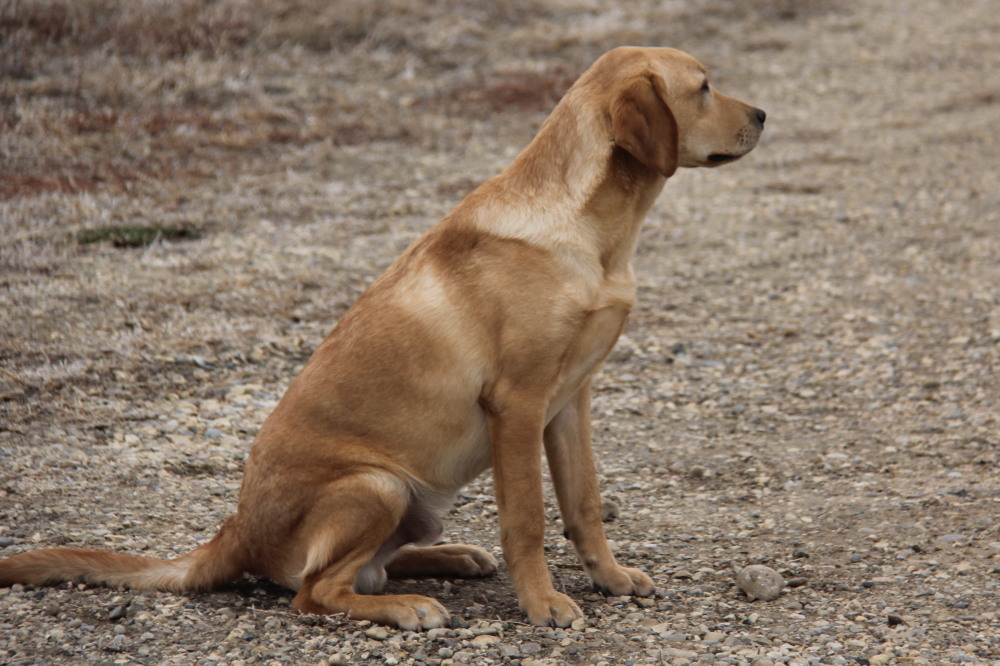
x=484, y=640
x=609, y=510
x=377, y=633
x=510, y=651
x=760, y=582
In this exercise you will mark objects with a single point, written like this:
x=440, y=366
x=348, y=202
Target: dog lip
x=719, y=158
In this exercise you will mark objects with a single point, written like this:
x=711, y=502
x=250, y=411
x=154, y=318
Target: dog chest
x=596, y=337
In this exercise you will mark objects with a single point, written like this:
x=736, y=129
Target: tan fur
x=475, y=349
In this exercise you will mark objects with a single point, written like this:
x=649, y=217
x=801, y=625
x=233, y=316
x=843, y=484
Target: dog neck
x=571, y=191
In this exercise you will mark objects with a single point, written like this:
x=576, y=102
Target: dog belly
x=446, y=463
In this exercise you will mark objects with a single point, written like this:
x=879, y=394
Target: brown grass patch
x=36, y=28
x=88, y=177
x=68, y=179
x=508, y=91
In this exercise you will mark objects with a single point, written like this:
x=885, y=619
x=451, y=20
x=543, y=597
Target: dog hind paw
x=448, y=560
x=473, y=561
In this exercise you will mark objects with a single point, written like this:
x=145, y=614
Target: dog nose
x=761, y=116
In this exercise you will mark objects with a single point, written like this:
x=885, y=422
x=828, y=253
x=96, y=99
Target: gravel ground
x=808, y=382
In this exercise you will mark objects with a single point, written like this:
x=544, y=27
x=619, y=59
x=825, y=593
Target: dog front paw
x=622, y=581
x=416, y=613
x=553, y=609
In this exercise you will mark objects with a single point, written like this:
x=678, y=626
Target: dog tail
x=207, y=566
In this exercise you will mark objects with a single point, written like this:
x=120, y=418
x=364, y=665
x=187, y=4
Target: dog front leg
x=516, y=439
x=571, y=463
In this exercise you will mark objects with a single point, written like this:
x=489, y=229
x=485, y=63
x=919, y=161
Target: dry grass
x=104, y=94
x=123, y=122
x=108, y=94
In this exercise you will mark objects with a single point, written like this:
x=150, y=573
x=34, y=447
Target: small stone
x=116, y=644
x=485, y=640
x=964, y=567
x=377, y=633
x=609, y=510
x=464, y=657
x=699, y=472
x=510, y=651
x=438, y=633
x=116, y=613
x=760, y=582
x=661, y=628
x=894, y=620
x=676, y=653
x=484, y=628
x=579, y=624
x=6, y=541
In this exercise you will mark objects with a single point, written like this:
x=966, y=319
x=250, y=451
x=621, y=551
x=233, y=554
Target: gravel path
x=808, y=382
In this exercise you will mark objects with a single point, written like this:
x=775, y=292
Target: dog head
x=665, y=112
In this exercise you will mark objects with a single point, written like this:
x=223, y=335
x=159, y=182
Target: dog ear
x=643, y=125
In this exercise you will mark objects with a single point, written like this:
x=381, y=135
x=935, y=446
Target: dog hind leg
x=347, y=535
x=448, y=560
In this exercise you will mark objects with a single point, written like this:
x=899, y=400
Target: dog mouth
x=722, y=158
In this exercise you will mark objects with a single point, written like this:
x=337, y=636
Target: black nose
x=761, y=116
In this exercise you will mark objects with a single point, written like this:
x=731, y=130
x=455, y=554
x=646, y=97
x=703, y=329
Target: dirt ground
x=192, y=193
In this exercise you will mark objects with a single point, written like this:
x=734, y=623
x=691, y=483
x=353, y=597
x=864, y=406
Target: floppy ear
x=643, y=125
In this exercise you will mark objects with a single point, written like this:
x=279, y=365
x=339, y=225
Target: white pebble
x=760, y=582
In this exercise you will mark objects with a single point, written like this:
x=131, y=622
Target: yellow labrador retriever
x=475, y=349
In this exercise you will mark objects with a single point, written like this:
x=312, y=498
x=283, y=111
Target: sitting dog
x=475, y=349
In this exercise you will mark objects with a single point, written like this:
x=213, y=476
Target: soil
x=191, y=194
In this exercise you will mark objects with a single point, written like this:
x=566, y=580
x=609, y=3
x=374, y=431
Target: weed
x=137, y=235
